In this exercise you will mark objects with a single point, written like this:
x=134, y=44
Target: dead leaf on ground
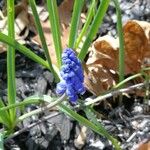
x=144, y=146
x=102, y=65
x=22, y=24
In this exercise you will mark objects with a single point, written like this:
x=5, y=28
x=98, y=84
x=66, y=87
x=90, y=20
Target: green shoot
x=90, y=15
x=11, y=60
x=41, y=35
x=121, y=42
x=55, y=28
x=75, y=22
x=94, y=28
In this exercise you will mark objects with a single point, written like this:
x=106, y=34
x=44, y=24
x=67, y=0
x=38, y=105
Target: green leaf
x=94, y=28
x=27, y=101
x=121, y=42
x=90, y=15
x=42, y=37
x=4, y=115
x=91, y=116
x=24, y=50
x=53, y=101
x=78, y=4
x=89, y=124
x=11, y=83
x=55, y=28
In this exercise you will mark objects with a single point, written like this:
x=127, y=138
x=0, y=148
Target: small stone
x=97, y=144
x=51, y=132
x=138, y=109
x=49, y=77
x=20, y=88
x=27, y=122
x=41, y=85
x=80, y=141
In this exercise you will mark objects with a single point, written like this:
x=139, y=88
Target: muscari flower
x=72, y=76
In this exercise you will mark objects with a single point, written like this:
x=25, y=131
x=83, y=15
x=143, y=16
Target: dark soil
x=129, y=122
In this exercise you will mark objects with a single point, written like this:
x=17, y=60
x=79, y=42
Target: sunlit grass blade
x=121, y=42
x=90, y=15
x=24, y=50
x=41, y=35
x=53, y=101
x=55, y=28
x=1, y=142
x=28, y=101
x=91, y=116
x=4, y=116
x=89, y=124
x=78, y=4
x=94, y=28
x=11, y=60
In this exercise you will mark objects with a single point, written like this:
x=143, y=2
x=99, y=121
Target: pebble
x=41, y=85
x=49, y=77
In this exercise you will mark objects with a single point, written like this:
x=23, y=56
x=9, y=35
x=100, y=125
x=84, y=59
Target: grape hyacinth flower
x=72, y=76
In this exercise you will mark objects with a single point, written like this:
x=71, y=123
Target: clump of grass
x=89, y=30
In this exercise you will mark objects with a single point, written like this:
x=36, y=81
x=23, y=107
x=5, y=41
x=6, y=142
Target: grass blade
x=4, y=116
x=90, y=15
x=41, y=35
x=29, y=100
x=53, y=101
x=24, y=50
x=89, y=124
x=91, y=116
x=55, y=28
x=94, y=28
x=78, y=4
x=11, y=60
x=121, y=42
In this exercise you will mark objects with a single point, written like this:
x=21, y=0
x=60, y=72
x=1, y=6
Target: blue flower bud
x=72, y=75
x=61, y=87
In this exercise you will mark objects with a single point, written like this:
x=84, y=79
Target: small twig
x=31, y=126
x=112, y=93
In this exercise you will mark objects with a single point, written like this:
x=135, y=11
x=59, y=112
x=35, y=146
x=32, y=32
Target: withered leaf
x=102, y=65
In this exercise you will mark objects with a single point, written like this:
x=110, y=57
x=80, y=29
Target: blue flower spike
x=72, y=76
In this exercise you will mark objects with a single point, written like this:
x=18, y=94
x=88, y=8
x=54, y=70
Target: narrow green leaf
x=94, y=28
x=78, y=4
x=91, y=116
x=42, y=37
x=52, y=102
x=29, y=100
x=55, y=28
x=120, y=84
x=11, y=60
x=4, y=116
x=24, y=50
x=90, y=15
x=121, y=42
x=89, y=124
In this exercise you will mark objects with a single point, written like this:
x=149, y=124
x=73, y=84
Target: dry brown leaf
x=22, y=22
x=101, y=66
x=136, y=45
x=145, y=146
